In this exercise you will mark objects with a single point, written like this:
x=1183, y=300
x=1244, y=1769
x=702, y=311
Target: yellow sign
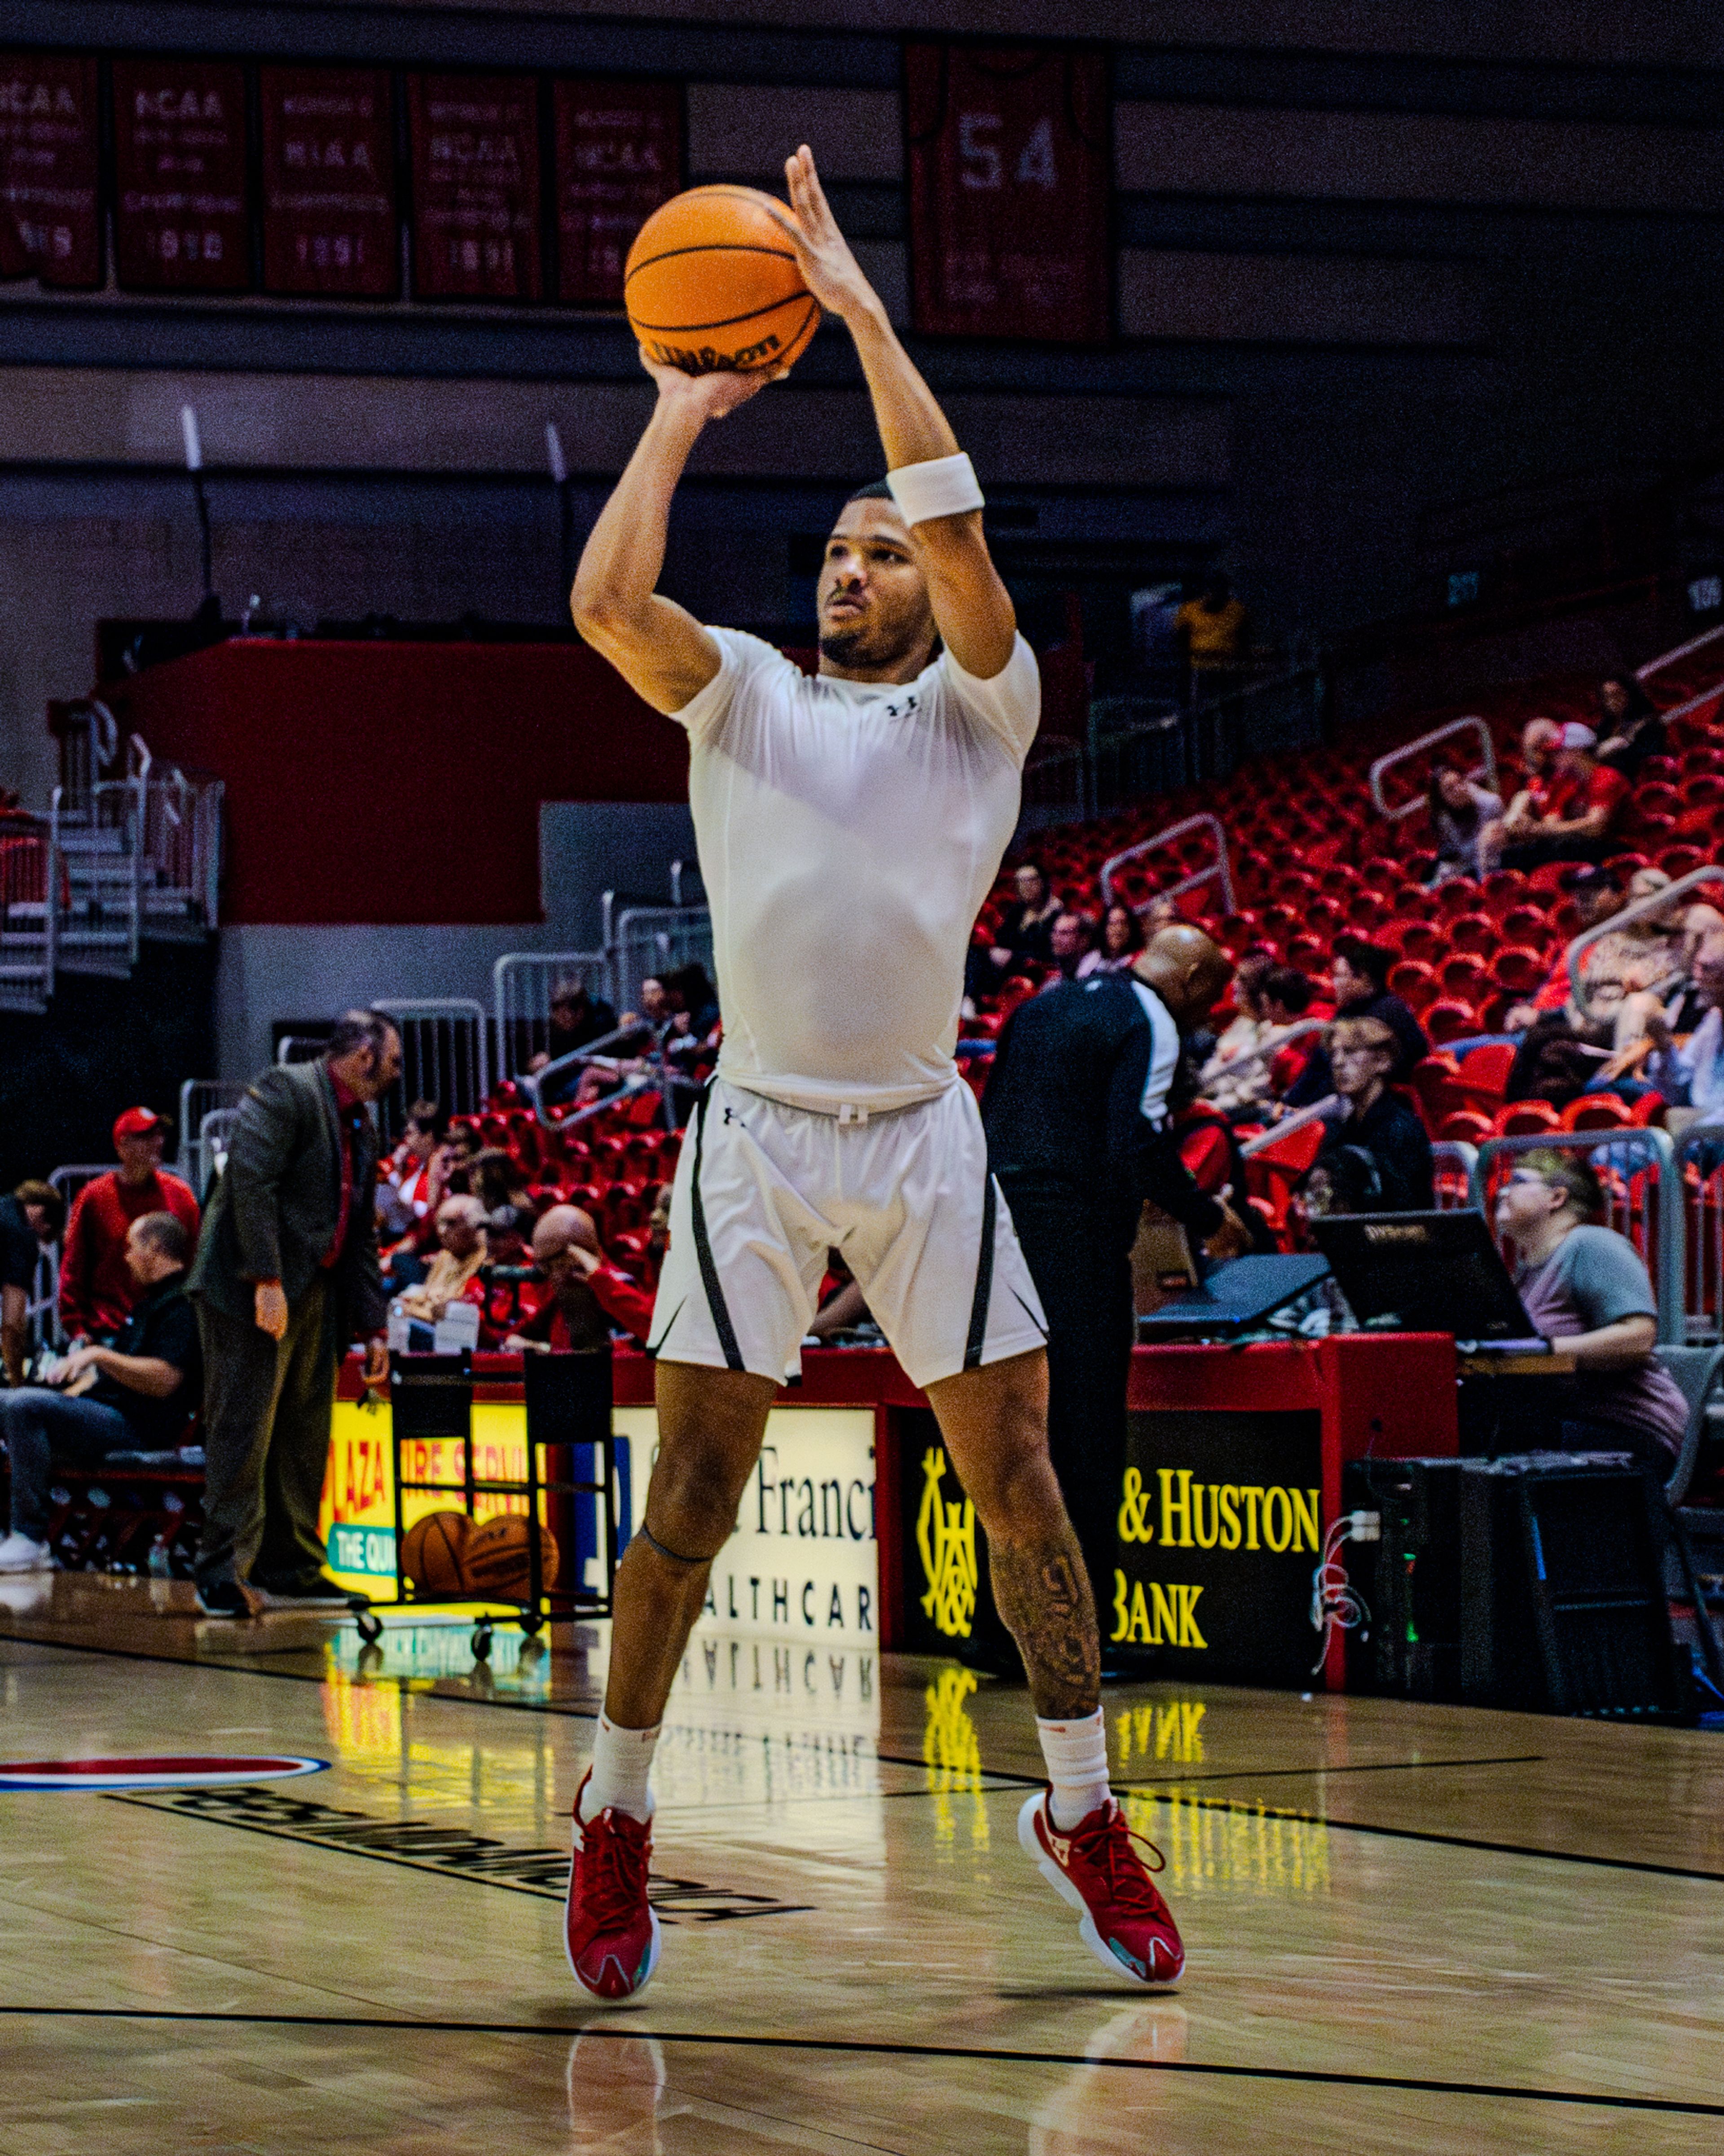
x=946, y=1538
x=1229, y=1515
x=1168, y=1618
x=357, y=1517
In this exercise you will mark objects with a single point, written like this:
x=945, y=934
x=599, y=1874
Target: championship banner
x=618, y=155
x=49, y=225
x=475, y=186
x=329, y=182
x=1008, y=191
x=179, y=177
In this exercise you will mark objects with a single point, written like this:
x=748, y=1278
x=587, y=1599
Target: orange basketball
x=431, y=1552
x=712, y=286
x=494, y=1565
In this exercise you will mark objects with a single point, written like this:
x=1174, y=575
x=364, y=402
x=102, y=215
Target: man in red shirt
x=588, y=1294
x=96, y=1290
x=1569, y=814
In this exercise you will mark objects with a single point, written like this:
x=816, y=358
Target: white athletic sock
x=621, y=1760
x=1076, y=1753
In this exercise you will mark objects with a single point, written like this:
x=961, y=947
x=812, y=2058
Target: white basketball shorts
x=763, y=1191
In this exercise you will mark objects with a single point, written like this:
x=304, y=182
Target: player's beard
x=868, y=643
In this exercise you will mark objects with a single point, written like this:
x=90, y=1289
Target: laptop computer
x=1234, y=1298
x=1426, y=1272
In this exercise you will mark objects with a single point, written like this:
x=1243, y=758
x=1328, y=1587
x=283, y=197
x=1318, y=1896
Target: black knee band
x=675, y=1557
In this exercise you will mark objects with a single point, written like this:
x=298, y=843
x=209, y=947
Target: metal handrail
x=1456, y=1152
x=1219, y=868
x=1670, y=1268
x=1645, y=673
x=453, y=1007
x=1486, y=769
x=515, y=964
x=1316, y=1111
x=1297, y=1031
x=1656, y=901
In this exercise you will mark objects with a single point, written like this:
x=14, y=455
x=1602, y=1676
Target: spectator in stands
x=1212, y=630
x=1380, y=1127
x=497, y=1179
x=1288, y=1000
x=577, y=1018
x=30, y=1218
x=1692, y=1076
x=1244, y=1034
x=1026, y=933
x=97, y=1290
x=588, y=1294
x=1585, y=1285
x=404, y=1192
x=1121, y=939
x=286, y=1275
x=1572, y=815
x=136, y=1396
x=1462, y=813
x=1069, y=941
x=454, y=1273
x=1630, y=727
x=1360, y=972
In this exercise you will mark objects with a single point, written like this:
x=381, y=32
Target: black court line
x=1428, y=2084
x=988, y=1773
x=1172, y=1796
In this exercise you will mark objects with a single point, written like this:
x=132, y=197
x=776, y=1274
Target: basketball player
x=849, y=828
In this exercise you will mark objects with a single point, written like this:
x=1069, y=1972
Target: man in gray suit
x=286, y=1275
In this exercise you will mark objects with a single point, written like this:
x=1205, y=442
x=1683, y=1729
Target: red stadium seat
x=1519, y=971
x=1451, y=1019
x=1473, y=932
x=1414, y=983
x=1466, y=975
x=1524, y=1119
x=1464, y=1126
x=1484, y=1069
x=1597, y=1112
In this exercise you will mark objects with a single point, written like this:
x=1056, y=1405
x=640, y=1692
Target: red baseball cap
x=137, y=1123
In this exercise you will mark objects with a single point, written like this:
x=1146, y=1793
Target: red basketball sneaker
x=610, y=1934
x=1126, y=1925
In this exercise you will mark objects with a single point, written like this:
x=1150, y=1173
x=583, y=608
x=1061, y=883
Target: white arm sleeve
x=1009, y=705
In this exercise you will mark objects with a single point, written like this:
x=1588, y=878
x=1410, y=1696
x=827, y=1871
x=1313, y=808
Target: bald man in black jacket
x=1079, y=1135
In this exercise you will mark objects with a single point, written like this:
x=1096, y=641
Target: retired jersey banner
x=475, y=184
x=49, y=225
x=329, y=182
x=1009, y=191
x=618, y=155
x=179, y=176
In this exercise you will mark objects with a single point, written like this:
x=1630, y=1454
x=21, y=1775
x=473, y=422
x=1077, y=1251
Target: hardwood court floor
x=1409, y=1928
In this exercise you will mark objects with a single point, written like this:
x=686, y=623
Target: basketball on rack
x=712, y=284
x=493, y=1564
x=431, y=1552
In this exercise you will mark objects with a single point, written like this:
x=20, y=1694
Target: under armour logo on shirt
x=911, y=703
x=729, y=1117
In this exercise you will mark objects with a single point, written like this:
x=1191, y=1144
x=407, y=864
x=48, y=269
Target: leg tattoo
x=1042, y=1595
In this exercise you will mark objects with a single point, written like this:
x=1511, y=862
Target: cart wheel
x=482, y=1643
x=370, y=1661
x=370, y=1627
x=531, y=1625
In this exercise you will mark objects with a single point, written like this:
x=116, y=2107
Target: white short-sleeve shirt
x=849, y=832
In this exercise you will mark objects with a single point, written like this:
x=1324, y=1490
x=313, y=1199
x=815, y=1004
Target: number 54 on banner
x=1008, y=191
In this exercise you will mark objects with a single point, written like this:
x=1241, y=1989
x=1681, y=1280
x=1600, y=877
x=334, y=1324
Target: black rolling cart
x=569, y=1410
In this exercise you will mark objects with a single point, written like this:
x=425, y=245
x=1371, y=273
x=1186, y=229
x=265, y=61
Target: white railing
x=651, y=940
x=199, y=1097
x=523, y=984
x=1454, y=1173
x=1218, y=869
x=444, y=1056
x=1654, y=666
x=97, y=892
x=43, y=1310
x=1657, y=901
x=1483, y=770
x=29, y=921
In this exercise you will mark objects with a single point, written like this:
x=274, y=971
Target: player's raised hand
x=822, y=254
x=712, y=395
